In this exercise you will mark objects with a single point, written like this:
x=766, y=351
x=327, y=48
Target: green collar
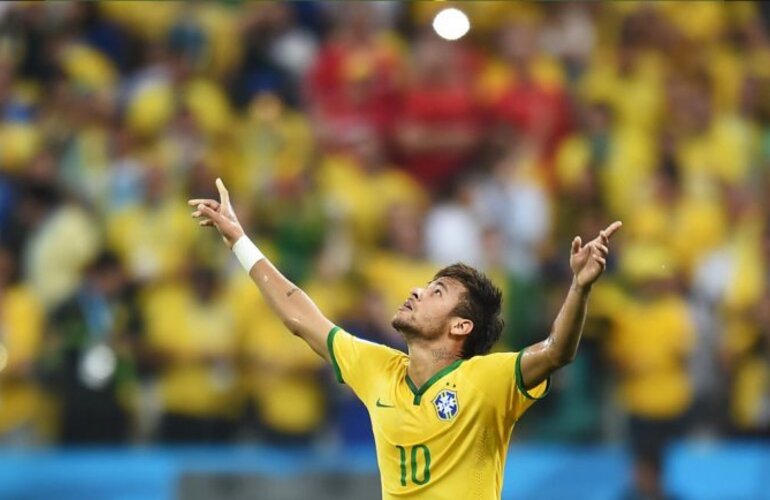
x=436, y=376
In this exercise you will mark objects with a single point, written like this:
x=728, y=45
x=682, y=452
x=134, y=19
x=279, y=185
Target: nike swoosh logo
x=380, y=405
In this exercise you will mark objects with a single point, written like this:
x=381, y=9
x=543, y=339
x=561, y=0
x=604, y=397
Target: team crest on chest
x=446, y=405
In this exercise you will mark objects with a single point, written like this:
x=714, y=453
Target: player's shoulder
x=369, y=346
x=492, y=364
x=492, y=376
x=493, y=358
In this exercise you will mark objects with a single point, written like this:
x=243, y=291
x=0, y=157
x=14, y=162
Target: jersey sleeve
x=358, y=363
x=498, y=376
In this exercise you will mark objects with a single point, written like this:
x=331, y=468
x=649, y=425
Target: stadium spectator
x=52, y=259
x=151, y=236
x=360, y=187
x=197, y=373
x=88, y=361
x=529, y=99
x=440, y=123
x=649, y=343
x=401, y=258
x=21, y=343
x=354, y=82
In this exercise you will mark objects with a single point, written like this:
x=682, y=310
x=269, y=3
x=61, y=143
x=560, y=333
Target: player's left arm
x=588, y=261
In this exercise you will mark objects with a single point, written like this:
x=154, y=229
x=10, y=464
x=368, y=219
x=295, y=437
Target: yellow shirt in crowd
x=152, y=241
x=650, y=343
x=21, y=335
x=198, y=339
x=364, y=198
x=281, y=373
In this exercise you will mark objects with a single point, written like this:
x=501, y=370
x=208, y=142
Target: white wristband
x=247, y=252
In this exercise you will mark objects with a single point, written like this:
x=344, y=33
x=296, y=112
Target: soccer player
x=443, y=414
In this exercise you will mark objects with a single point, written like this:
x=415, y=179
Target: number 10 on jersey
x=415, y=451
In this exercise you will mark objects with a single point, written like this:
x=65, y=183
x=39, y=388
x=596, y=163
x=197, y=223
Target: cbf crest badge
x=446, y=405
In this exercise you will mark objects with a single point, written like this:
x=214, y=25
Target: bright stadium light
x=451, y=24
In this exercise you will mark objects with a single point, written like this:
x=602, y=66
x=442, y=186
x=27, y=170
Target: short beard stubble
x=408, y=331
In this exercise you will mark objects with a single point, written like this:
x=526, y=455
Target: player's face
x=426, y=313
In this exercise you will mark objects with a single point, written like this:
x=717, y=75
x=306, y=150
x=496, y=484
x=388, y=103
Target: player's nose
x=416, y=293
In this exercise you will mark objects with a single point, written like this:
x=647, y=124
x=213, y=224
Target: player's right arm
x=295, y=309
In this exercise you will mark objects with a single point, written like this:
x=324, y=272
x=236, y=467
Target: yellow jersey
x=447, y=439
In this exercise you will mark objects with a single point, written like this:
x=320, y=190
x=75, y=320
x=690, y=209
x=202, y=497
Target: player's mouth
x=407, y=305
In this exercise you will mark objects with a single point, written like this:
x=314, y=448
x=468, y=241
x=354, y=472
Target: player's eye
x=437, y=292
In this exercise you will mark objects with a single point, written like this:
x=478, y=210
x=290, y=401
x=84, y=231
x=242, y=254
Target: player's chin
x=400, y=321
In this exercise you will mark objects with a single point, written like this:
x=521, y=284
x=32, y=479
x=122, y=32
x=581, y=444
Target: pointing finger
x=224, y=196
x=612, y=228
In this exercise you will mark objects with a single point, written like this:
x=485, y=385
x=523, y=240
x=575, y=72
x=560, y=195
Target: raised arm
x=587, y=262
x=292, y=305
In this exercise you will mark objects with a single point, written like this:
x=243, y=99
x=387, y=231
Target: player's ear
x=461, y=326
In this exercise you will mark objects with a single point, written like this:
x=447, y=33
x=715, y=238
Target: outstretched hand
x=589, y=261
x=218, y=214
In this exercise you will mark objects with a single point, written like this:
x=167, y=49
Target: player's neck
x=426, y=360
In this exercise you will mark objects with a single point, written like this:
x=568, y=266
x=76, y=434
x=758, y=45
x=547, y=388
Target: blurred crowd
x=363, y=153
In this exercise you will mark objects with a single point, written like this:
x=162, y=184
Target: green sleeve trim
x=332, y=357
x=520, y=381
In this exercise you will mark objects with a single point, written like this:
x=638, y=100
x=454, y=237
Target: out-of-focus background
x=364, y=152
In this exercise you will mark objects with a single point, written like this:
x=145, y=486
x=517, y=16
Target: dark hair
x=481, y=303
x=104, y=261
